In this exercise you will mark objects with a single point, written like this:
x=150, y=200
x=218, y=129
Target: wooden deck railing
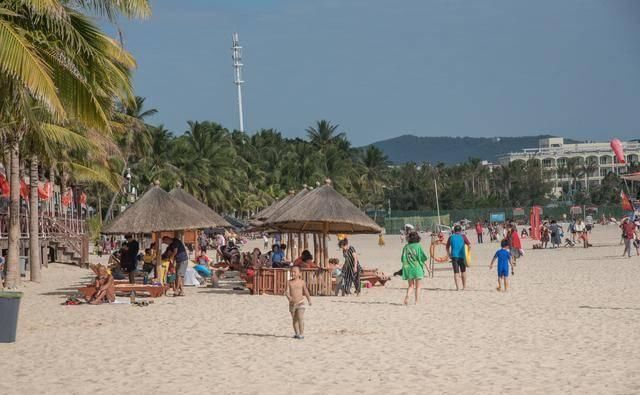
x=274, y=281
x=49, y=226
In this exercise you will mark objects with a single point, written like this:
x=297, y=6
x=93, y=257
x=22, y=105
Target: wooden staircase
x=62, y=239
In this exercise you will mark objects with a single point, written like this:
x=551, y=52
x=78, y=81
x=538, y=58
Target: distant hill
x=451, y=150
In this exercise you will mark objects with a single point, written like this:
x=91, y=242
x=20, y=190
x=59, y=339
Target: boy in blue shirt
x=503, y=256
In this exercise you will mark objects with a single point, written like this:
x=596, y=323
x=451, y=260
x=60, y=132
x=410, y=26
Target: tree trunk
x=100, y=207
x=34, y=229
x=109, y=214
x=13, y=253
x=315, y=246
x=63, y=189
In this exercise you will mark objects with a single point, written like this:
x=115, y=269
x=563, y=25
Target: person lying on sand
x=295, y=294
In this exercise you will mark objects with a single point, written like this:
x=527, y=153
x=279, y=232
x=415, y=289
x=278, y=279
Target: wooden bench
x=154, y=291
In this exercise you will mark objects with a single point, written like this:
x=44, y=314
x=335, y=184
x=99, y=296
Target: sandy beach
x=568, y=325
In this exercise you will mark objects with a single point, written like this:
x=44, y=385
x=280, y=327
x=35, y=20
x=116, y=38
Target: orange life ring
x=432, y=252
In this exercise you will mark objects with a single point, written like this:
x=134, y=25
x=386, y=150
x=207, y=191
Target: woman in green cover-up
x=413, y=265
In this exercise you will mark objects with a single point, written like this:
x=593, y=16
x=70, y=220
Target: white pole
x=237, y=75
x=435, y=184
x=240, y=108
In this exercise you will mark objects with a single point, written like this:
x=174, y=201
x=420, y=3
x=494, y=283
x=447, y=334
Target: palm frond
x=20, y=60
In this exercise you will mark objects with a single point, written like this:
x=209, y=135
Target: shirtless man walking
x=295, y=293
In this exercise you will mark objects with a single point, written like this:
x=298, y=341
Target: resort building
x=594, y=160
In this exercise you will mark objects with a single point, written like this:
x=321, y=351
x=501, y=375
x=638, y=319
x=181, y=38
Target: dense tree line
x=240, y=173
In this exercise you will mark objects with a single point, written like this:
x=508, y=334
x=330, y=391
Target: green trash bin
x=9, y=307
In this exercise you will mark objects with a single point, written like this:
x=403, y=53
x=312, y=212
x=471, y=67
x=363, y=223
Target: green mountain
x=452, y=150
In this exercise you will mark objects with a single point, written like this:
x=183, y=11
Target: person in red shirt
x=479, y=231
x=515, y=246
x=628, y=234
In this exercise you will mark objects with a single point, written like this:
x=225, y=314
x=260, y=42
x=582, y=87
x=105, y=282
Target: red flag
x=626, y=202
x=24, y=190
x=616, y=146
x=67, y=197
x=44, y=191
x=83, y=199
x=4, y=185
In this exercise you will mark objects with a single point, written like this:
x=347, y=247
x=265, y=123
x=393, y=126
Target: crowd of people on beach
x=347, y=271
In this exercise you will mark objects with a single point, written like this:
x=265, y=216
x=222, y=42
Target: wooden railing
x=49, y=226
x=274, y=281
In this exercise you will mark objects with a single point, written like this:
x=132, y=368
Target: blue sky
x=385, y=68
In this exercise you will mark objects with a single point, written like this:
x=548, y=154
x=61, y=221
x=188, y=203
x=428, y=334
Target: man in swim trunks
x=295, y=294
x=456, y=250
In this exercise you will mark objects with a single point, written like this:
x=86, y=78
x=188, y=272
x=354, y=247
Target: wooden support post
x=85, y=251
x=315, y=247
x=306, y=241
x=300, y=249
x=158, y=257
x=325, y=230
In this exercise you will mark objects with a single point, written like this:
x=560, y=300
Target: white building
x=554, y=154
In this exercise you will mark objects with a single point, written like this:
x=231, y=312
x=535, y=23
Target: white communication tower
x=237, y=74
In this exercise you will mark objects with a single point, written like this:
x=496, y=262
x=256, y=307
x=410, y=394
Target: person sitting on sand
x=295, y=294
x=105, y=287
x=203, y=259
x=503, y=256
x=413, y=265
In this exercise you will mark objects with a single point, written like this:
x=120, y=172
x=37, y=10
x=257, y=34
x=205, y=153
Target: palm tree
x=375, y=165
x=575, y=171
x=323, y=136
x=55, y=55
x=135, y=139
x=588, y=169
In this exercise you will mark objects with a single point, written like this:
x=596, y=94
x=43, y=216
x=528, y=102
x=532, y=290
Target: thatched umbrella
x=291, y=201
x=323, y=211
x=155, y=212
x=205, y=211
x=264, y=214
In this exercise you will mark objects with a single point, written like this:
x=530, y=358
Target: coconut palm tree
x=134, y=140
x=588, y=169
x=373, y=170
x=55, y=55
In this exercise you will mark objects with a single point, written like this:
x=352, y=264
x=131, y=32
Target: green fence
x=394, y=225
x=426, y=219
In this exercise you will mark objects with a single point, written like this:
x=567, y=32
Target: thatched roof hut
x=205, y=211
x=157, y=211
x=264, y=214
x=322, y=210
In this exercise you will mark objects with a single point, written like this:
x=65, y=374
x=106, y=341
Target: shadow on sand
x=61, y=292
x=256, y=335
x=223, y=291
x=358, y=302
x=609, y=308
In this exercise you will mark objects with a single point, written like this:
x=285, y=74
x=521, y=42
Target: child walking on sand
x=295, y=293
x=503, y=256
